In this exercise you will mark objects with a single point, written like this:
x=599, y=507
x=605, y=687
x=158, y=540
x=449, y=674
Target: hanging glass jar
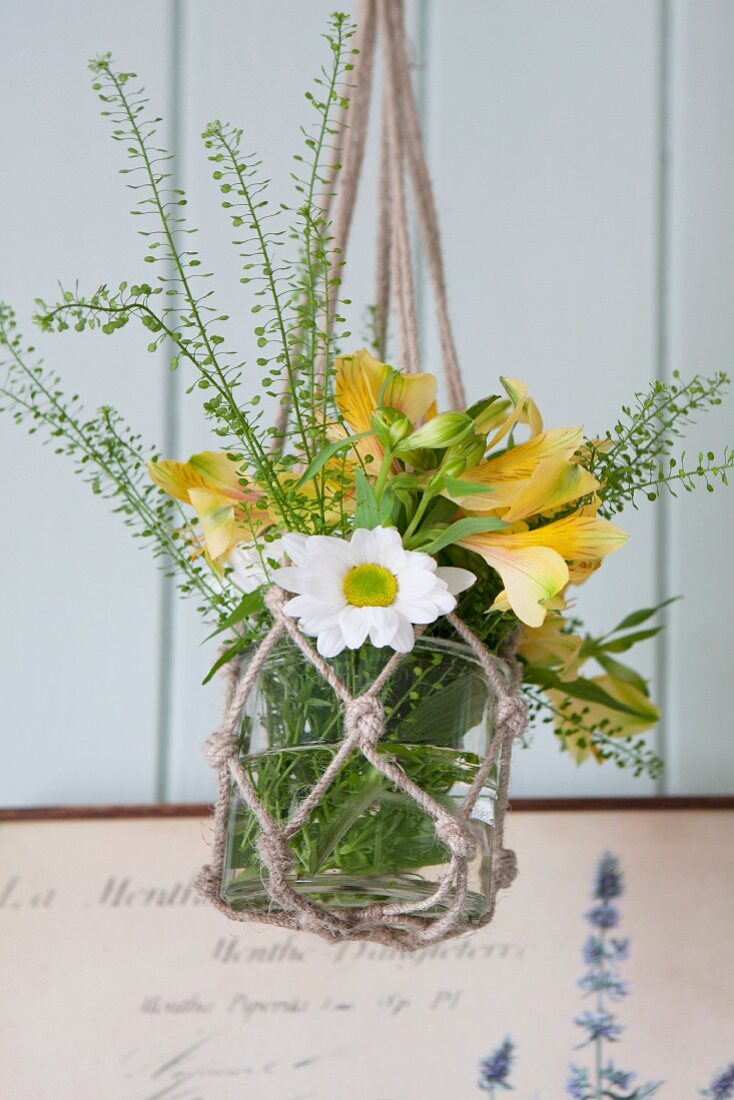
x=365, y=842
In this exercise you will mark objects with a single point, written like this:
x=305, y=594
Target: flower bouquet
x=364, y=555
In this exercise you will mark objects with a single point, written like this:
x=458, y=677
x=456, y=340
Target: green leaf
x=328, y=452
x=479, y=407
x=621, y=645
x=389, y=508
x=239, y=646
x=636, y=618
x=623, y=673
x=461, y=488
x=441, y=512
x=582, y=689
x=250, y=604
x=471, y=525
x=367, y=513
x=344, y=816
x=433, y=721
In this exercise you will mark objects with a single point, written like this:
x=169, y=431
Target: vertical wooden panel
x=542, y=140
x=701, y=338
x=79, y=627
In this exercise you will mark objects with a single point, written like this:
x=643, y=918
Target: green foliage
x=635, y=458
x=628, y=753
x=177, y=307
x=461, y=529
x=110, y=457
x=569, y=706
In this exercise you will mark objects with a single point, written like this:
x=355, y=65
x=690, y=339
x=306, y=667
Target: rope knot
x=365, y=717
x=511, y=714
x=207, y=883
x=275, y=597
x=456, y=836
x=275, y=854
x=506, y=868
x=219, y=749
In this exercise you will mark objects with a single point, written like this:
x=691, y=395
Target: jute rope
x=402, y=153
x=406, y=926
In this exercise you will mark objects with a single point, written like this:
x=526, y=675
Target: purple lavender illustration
x=603, y=955
x=602, y=984
x=722, y=1086
x=494, y=1071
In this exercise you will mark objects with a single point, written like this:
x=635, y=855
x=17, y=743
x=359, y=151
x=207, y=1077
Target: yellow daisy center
x=370, y=586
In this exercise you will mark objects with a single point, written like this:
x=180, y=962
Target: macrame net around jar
x=420, y=922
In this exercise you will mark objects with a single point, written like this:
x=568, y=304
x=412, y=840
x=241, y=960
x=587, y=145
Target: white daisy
x=366, y=587
x=248, y=564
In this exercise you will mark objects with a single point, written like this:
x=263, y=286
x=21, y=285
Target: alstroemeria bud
x=391, y=427
x=472, y=450
x=454, y=466
x=442, y=431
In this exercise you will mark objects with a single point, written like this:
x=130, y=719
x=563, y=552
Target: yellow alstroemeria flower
x=523, y=411
x=533, y=565
x=363, y=384
x=549, y=646
x=596, y=716
x=210, y=483
x=534, y=478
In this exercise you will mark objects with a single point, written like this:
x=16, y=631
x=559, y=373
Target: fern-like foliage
x=300, y=302
x=636, y=458
x=177, y=306
x=186, y=315
x=315, y=294
x=605, y=739
x=110, y=457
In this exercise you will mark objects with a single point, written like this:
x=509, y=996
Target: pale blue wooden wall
x=583, y=156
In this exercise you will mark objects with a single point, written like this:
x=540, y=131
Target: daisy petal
x=330, y=642
x=354, y=623
x=302, y=607
x=383, y=625
x=404, y=638
x=457, y=580
x=421, y=611
x=294, y=545
x=388, y=549
x=363, y=546
x=329, y=547
x=324, y=586
x=415, y=583
x=444, y=601
x=290, y=578
x=421, y=560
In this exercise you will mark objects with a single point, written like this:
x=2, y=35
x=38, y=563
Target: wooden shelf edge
x=520, y=805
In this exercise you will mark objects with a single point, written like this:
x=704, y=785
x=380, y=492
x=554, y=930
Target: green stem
x=237, y=168
x=140, y=308
x=68, y=427
x=383, y=474
x=418, y=515
x=257, y=452
x=308, y=219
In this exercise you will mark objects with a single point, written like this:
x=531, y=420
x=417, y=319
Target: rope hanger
x=402, y=153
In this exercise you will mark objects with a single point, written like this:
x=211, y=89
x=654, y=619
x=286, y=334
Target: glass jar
x=366, y=842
